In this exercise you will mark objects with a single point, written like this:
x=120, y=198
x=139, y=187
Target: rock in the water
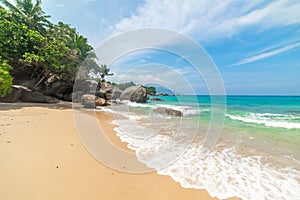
x=156, y=99
x=37, y=97
x=135, y=94
x=168, y=111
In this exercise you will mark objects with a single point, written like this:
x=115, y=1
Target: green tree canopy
x=32, y=48
x=29, y=13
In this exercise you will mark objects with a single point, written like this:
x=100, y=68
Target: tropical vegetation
x=33, y=48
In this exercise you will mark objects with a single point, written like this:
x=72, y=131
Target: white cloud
x=210, y=20
x=267, y=54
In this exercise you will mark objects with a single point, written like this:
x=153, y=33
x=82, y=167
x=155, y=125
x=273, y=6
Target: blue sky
x=255, y=44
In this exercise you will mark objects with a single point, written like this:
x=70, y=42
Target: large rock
x=24, y=94
x=15, y=94
x=60, y=89
x=37, y=97
x=86, y=85
x=100, y=102
x=77, y=96
x=92, y=101
x=135, y=94
x=26, y=83
x=116, y=93
x=168, y=111
x=156, y=99
x=110, y=92
x=107, y=89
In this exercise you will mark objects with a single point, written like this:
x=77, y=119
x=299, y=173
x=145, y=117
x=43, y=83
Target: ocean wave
x=222, y=173
x=268, y=119
x=186, y=110
x=226, y=174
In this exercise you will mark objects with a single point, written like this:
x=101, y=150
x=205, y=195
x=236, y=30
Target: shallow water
x=256, y=156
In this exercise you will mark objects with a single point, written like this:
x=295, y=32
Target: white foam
x=262, y=119
x=223, y=174
x=186, y=110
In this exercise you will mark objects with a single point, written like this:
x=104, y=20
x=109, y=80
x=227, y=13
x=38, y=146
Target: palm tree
x=72, y=39
x=105, y=72
x=29, y=13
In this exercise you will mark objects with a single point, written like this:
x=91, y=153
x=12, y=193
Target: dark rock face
x=85, y=85
x=21, y=93
x=37, y=97
x=14, y=95
x=116, y=93
x=168, y=111
x=59, y=89
x=26, y=83
x=134, y=94
x=77, y=96
x=110, y=92
x=156, y=99
x=102, y=94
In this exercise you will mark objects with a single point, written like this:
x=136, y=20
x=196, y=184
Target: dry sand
x=42, y=157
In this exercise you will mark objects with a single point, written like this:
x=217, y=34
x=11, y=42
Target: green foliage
x=29, y=13
x=5, y=77
x=37, y=49
x=72, y=39
x=104, y=71
x=150, y=90
x=123, y=86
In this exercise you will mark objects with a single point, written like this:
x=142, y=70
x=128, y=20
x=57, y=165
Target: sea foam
x=268, y=119
x=223, y=173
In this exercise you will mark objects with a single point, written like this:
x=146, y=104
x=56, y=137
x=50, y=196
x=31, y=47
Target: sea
x=252, y=152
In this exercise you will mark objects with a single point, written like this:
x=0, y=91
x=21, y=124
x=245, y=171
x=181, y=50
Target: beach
x=42, y=157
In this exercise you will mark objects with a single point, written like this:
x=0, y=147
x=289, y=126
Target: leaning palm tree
x=105, y=72
x=72, y=39
x=29, y=13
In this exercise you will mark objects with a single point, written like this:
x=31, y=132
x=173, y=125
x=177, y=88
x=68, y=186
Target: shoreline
x=43, y=158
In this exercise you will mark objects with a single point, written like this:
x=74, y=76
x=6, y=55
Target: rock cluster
x=89, y=93
x=24, y=94
x=93, y=94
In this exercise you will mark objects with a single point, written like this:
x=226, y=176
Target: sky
x=255, y=44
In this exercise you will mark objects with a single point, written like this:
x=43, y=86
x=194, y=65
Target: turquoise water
x=255, y=156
